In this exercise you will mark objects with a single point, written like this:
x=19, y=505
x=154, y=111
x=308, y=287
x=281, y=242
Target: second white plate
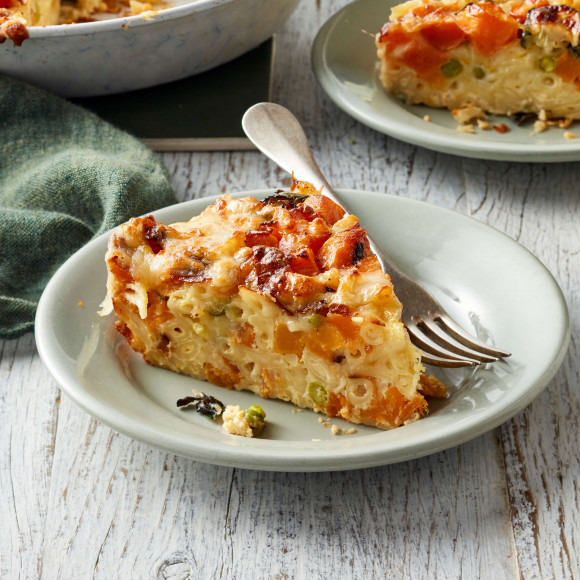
x=345, y=63
x=488, y=283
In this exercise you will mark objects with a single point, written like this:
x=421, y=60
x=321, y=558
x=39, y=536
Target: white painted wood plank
x=120, y=509
x=542, y=444
x=117, y=506
x=28, y=411
x=428, y=518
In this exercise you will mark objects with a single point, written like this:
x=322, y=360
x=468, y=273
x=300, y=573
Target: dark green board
x=200, y=112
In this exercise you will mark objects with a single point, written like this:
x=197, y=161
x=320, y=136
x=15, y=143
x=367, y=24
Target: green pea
x=256, y=418
x=318, y=393
x=547, y=64
x=316, y=319
x=478, y=72
x=217, y=309
x=451, y=68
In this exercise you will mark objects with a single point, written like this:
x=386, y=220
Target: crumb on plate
x=466, y=115
x=465, y=128
x=248, y=423
x=501, y=128
x=235, y=422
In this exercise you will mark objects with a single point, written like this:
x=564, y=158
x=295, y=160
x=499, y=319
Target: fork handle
x=276, y=132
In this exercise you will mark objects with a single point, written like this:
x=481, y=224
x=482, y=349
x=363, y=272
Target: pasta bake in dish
x=17, y=15
x=506, y=57
x=281, y=297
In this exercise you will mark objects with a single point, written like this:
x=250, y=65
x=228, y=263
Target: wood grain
x=80, y=501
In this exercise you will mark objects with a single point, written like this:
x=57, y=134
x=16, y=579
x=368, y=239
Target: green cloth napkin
x=66, y=176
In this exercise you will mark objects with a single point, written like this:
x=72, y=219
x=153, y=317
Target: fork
x=276, y=132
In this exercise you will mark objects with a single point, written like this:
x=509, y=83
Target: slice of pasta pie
x=505, y=57
x=281, y=297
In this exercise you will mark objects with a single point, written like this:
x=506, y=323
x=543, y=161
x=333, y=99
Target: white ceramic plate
x=489, y=283
x=346, y=66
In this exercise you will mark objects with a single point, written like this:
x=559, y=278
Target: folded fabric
x=66, y=176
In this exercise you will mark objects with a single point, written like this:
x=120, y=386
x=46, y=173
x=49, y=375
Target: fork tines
x=445, y=343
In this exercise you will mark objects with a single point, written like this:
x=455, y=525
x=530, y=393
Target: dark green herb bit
x=204, y=404
x=524, y=118
x=451, y=68
x=478, y=72
x=526, y=40
x=256, y=418
x=547, y=63
x=318, y=394
x=574, y=50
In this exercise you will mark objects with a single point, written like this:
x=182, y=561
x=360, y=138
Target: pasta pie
x=504, y=57
x=17, y=15
x=281, y=297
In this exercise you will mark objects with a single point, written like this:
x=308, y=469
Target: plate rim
x=459, y=144
x=292, y=459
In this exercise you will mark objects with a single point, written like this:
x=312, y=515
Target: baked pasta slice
x=504, y=57
x=281, y=297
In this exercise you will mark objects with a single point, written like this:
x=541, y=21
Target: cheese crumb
x=235, y=421
x=465, y=128
x=80, y=303
x=466, y=115
x=540, y=126
x=569, y=135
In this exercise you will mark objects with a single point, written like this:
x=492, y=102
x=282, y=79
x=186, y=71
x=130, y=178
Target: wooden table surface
x=78, y=500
